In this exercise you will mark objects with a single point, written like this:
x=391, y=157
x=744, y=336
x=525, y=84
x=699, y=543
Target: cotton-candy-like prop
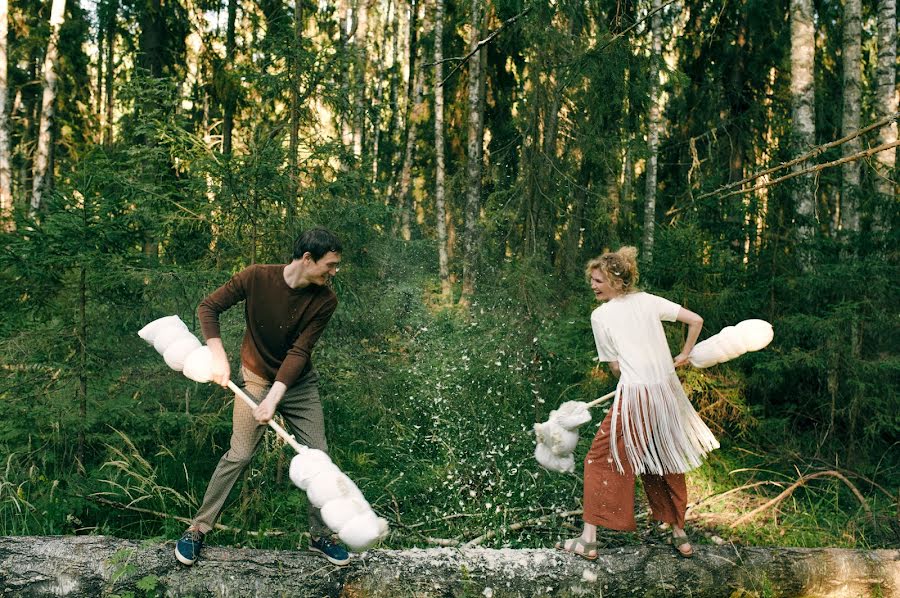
x=348, y=513
x=731, y=342
x=178, y=351
x=558, y=439
x=548, y=460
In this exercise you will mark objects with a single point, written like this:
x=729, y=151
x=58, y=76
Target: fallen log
x=101, y=565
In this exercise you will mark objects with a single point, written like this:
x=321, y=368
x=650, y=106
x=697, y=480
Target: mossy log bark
x=98, y=566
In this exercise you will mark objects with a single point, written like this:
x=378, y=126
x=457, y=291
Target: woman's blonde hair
x=620, y=268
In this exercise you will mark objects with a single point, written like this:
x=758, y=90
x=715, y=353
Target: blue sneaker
x=187, y=549
x=334, y=553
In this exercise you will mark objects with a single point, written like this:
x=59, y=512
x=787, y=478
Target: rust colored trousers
x=609, y=495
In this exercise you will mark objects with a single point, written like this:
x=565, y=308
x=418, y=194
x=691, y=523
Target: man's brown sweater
x=283, y=324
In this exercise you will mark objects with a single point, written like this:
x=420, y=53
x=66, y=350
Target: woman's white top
x=662, y=432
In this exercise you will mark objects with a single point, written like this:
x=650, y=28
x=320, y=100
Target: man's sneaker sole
x=183, y=559
x=332, y=560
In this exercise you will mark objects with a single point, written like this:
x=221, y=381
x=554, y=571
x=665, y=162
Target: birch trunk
x=849, y=205
x=803, y=103
x=103, y=566
x=6, y=201
x=42, y=152
x=440, y=209
x=652, y=134
x=294, y=142
x=362, y=59
x=885, y=104
x=474, y=148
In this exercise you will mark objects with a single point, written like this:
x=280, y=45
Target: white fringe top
x=662, y=432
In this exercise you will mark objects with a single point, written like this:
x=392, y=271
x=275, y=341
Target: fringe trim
x=662, y=432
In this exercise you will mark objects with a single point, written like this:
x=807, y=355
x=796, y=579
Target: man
x=286, y=308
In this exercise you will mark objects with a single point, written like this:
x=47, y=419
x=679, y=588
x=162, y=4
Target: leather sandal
x=575, y=544
x=682, y=545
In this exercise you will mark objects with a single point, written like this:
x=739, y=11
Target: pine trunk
x=652, y=134
x=110, y=71
x=849, y=206
x=48, y=99
x=230, y=99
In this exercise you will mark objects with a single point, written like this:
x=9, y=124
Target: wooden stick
x=605, y=397
x=272, y=423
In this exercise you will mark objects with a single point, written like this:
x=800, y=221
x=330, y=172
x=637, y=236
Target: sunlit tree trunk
x=652, y=133
x=403, y=201
x=361, y=64
x=110, y=71
x=803, y=103
x=6, y=201
x=474, y=146
x=885, y=104
x=440, y=209
x=42, y=153
x=849, y=206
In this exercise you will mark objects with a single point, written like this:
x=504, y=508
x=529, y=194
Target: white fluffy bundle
x=344, y=509
x=558, y=436
x=731, y=342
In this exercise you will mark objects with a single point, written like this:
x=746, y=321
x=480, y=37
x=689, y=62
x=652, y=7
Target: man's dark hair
x=318, y=242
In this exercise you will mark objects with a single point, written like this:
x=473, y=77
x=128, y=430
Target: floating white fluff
x=548, y=460
x=309, y=464
x=179, y=350
x=571, y=414
x=149, y=332
x=337, y=513
x=363, y=531
x=198, y=365
x=756, y=334
x=329, y=486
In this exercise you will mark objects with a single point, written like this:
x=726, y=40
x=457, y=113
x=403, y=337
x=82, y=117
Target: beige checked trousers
x=302, y=412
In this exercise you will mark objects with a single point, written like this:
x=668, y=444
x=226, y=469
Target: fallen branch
x=857, y=156
x=790, y=490
x=185, y=520
x=810, y=154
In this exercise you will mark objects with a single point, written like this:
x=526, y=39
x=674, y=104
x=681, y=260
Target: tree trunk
x=101, y=565
x=362, y=60
x=294, y=143
x=849, y=205
x=652, y=133
x=6, y=200
x=110, y=70
x=803, y=104
x=474, y=148
x=403, y=201
x=230, y=88
x=885, y=104
x=42, y=153
x=440, y=209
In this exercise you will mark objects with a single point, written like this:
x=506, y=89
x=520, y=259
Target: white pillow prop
x=178, y=351
x=168, y=335
x=329, y=486
x=363, y=531
x=198, y=365
x=149, y=332
x=559, y=440
x=309, y=464
x=548, y=460
x=571, y=414
x=731, y=342
x=337, y=513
